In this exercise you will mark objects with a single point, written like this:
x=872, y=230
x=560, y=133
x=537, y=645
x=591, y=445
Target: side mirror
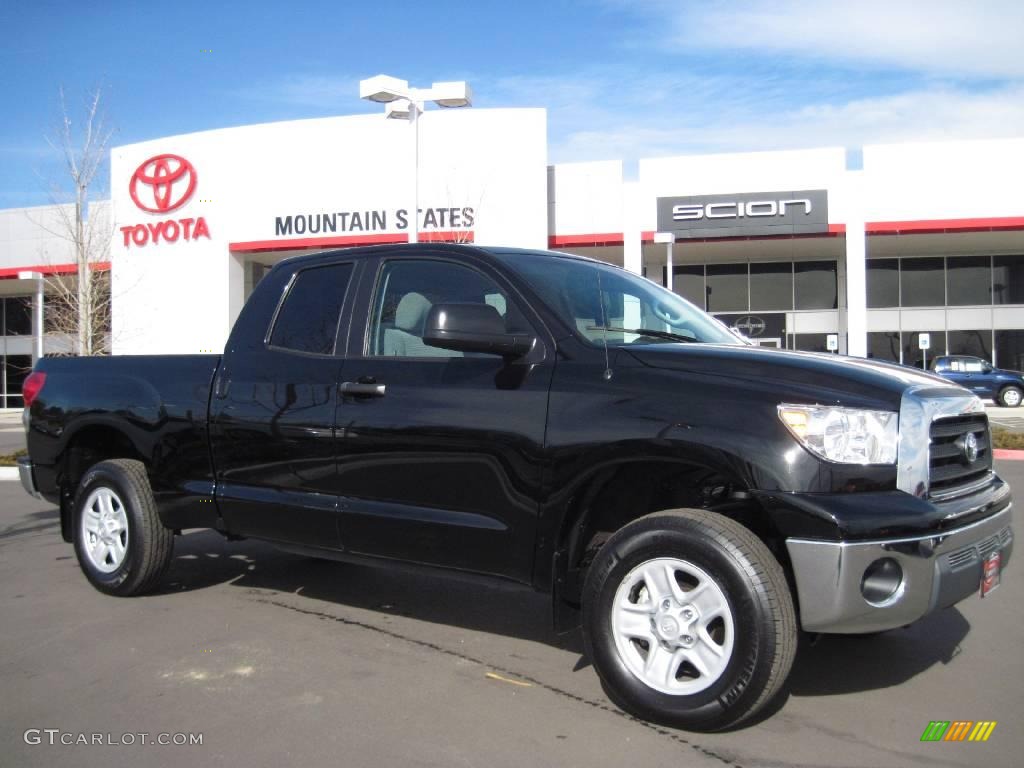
x=473, y=328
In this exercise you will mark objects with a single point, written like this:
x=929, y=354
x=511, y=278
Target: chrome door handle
x=360, y=389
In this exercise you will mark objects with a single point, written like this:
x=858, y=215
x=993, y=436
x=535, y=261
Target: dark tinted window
x=727, y=287
x=923, y=282
x=816, y=285
x=689, y=283
x=1008, y=280
x=17, y=320
x=1010, y=349
x=308, y=321
x=884, y=345
x=771, y=286
x=883, y=282
x=968, y=280
x=977, y=343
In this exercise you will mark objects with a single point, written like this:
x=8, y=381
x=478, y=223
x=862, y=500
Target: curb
x=1008, y=454
x=11, y=473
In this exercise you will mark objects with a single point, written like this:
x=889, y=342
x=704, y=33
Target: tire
x=738, y=579
x=122, y=547
x=1010, y=397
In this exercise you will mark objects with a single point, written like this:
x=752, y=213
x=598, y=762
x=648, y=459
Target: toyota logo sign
x=162, y=183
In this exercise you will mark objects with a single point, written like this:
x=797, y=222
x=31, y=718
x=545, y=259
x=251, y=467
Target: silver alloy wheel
x=104, y=530
x=1011, y=398
x=673, y=626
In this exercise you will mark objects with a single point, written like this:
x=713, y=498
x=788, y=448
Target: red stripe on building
x=598, y=239
x=8, y=273
x=945, y=226
x=348, y=241
x=295, y=243
x=585, y=240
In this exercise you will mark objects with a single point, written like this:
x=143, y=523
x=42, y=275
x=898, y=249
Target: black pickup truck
x=695, y=501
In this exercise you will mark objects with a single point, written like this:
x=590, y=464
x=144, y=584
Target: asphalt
x=282, y=660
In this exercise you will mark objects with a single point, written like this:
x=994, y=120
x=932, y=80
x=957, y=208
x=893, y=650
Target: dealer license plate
x=990, y=569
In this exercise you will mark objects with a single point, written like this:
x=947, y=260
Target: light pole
x=404, y=103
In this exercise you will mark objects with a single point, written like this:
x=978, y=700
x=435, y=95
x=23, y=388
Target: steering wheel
x=664, y=313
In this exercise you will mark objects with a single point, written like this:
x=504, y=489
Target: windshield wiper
x=646, y=332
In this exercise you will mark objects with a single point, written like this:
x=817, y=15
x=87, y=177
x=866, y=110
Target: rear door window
x=308, y=318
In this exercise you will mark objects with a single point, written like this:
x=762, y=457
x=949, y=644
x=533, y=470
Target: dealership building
x=861, y=251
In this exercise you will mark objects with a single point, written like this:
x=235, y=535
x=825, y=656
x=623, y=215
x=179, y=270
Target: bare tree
x=79, y=303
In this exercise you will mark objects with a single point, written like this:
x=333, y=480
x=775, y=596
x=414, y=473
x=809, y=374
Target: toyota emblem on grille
x=969, y=447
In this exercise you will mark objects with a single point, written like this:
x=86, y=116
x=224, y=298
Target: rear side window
x=308, y=320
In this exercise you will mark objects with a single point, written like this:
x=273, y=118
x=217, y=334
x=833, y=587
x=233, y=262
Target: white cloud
x=979, y=38
x=612, y=115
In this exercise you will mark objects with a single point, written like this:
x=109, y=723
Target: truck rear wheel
x=688, y=620
x=122, y=546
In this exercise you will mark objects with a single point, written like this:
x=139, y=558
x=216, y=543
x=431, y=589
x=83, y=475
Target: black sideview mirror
x=473, y=328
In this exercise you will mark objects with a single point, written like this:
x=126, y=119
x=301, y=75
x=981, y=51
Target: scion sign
x=741, y=215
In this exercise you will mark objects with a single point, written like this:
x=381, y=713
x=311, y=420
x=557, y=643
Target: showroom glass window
x=771, y=286
x=923, y=282
x=968, y=280
x=884, y=345
x=17, y=316
x=308, y=319
x=688, y=282
x=976, y=343
x=727, y=288
x=1008, y=280
x=809, y=342
x=816, y=285
x=16, y=368
x=883, y=282
x=1010, y=349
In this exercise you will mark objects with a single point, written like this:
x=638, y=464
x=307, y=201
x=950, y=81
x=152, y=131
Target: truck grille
x=948, y=467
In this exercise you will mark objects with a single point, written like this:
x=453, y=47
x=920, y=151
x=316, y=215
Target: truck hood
x=830, y=376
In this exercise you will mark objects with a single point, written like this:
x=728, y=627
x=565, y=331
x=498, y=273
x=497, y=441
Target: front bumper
x=939, y=569
x=27, y=477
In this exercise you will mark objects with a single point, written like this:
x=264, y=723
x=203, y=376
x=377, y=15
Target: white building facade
x=871, y=248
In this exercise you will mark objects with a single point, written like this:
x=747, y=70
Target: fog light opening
x=882, y=583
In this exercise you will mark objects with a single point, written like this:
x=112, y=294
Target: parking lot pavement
x=282, y=660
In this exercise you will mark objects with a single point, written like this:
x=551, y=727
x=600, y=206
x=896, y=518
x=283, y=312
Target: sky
x=620, y=80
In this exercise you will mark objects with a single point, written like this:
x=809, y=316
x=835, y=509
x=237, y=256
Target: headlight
x=844, y=435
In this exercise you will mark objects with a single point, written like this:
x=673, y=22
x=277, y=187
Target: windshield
x=629, y=305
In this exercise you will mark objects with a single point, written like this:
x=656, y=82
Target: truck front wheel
x=688, y=620
x=122, y=546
